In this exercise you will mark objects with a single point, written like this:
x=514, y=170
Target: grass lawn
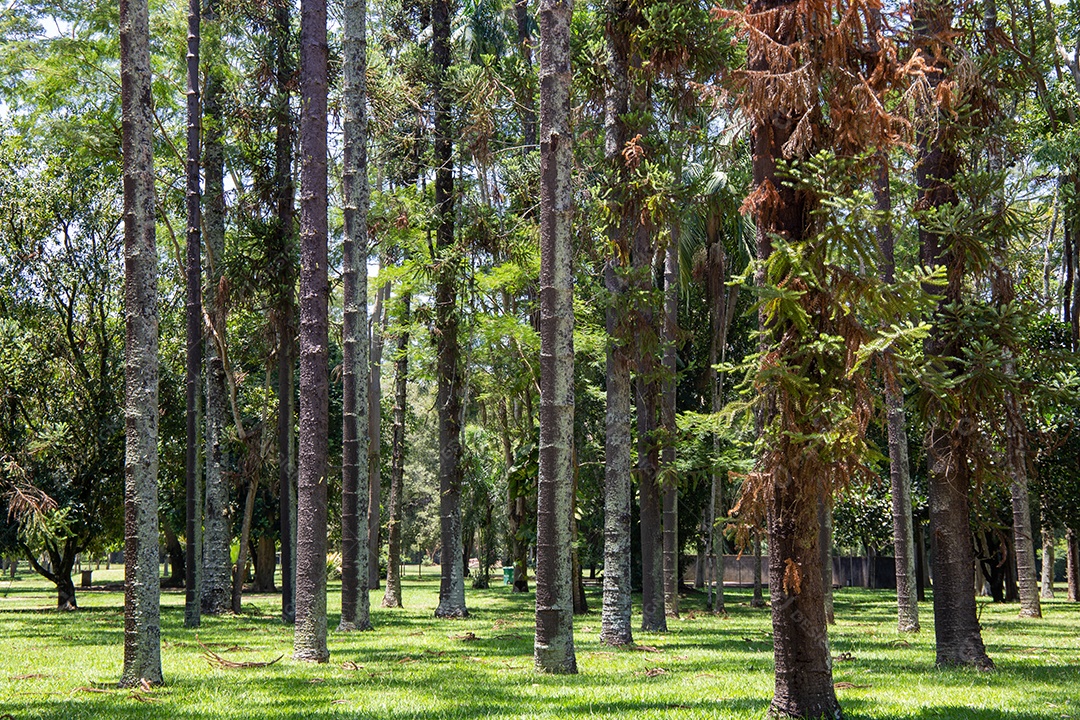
x=56, y=665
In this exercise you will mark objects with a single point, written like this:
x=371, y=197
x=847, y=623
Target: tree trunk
x=554, y=643
x=265, y=564
x=217, y=576
x=193, y=310
x=286, y=311
x=374, y=453
x=615, y=623
x=240, y=570
x=670, y=482
x=1072, y=565
x=1047, y=564
x=956, y=625
x=525, y=42
x=449, y=397
x=309, y=642
x=515, y=512
x=653, y=617
x=825, y=546
x=142, y=624
x=177, y=558
x=907, y=604
x=392, y=597
x=356, y=360
x=1026, y=571
x=758, y=599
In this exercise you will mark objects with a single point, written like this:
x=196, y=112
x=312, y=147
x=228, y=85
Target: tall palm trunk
x=1072, y=565
x=374, y=452
x=554, y=643
x=956, y=625
x=907, y=602
x=309, y=642
x=193, y=372
x=356, y=433
x=392, y=597
x=1026, y=570
x=142, y=623
x=217, y=577
x=449, y=396
x=286, y=310
x=670, y=482
x=1047, y=567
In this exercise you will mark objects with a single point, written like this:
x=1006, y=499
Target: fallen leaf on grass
x=682, y=657
x=317, y=680
x=350, y=665
x=406, y=659
x=85, y=688
x=499, y=624
x=652, y=672
x=847, y=686
x=29, y=676
x=465, y=637
x=436, y=653
x=705, y=675
x=645, y=648
x=416, y=634
x=142, y=698
x=340, y=702
x=508, y=636
x=844, y=657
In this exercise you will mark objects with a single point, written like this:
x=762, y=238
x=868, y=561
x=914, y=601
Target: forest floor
x=65, y=665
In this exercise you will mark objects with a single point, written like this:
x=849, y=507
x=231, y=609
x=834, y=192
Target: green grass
x=413, y=666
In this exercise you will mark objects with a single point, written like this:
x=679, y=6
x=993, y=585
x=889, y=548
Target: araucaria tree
x=310, y=635
x=950, y=435
x=813, y=90
x=355, y=613
x=447, y=346
x=142, y=622
x=554, y=645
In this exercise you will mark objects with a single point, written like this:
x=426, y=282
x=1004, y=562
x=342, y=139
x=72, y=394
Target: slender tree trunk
x=525, y=43
x=356, y=430
x=177, y=556
x=310, y=636
x=616, y=626
x=193, y=371
x=670, y=482
x=240, y=570
x=907, y=604
x=653, y=617
x=286, y=312
x=374, y=452
x=449, y=397
x=142, y=624
x=265, y=560
x=392, y=597
x=217, y=580
x=554, y=643
x=1026, y=571
x=1047, y=564
x=758, y=598
x=1072, y=565
x=515, y=513
x=956, y=625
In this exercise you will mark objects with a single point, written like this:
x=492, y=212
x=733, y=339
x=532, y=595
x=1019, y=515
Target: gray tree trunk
x=193, y=373
x=142, y=623
x=907, y=602
x=1072, y=565
x=356, y=431
x=450, y=380
x=758, y=598
x=392, y=596
x=554, y=643
x=1047, y=564
x=374, y=453
x=669, y=474
x=309, y=640
x=286, y=310
x=1026, y=572
x=240, y=570
x=217, y=576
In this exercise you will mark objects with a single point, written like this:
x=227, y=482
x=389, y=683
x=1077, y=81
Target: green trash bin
x=508, y=575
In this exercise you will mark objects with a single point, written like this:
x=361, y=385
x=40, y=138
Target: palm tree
x=142, y=623
x=309, y=641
